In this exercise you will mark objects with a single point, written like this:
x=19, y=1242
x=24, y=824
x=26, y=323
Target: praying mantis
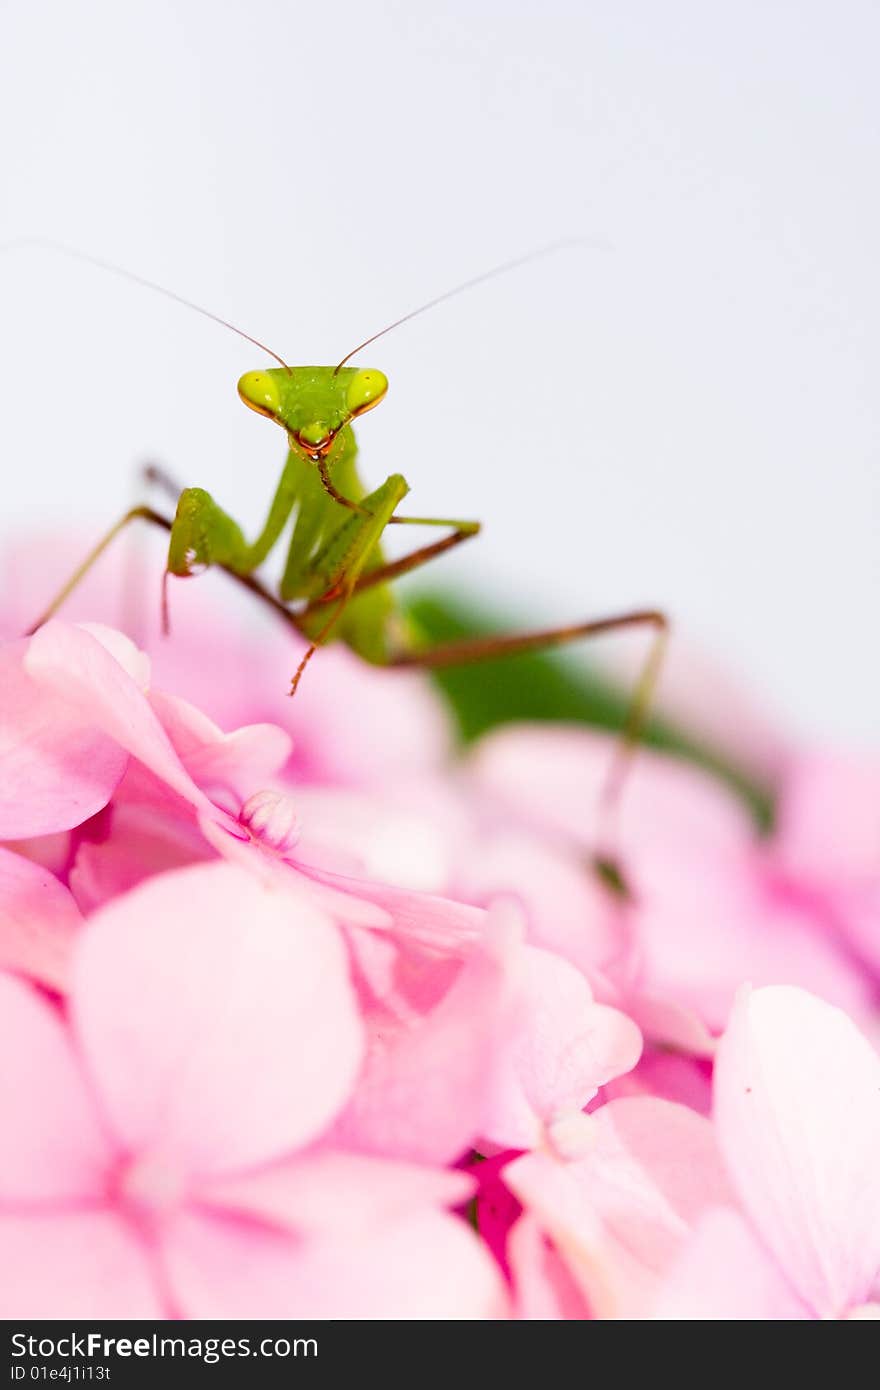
x=336, y=580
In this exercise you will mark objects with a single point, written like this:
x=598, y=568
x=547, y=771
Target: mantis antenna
x=45, y=243
x=567, y=244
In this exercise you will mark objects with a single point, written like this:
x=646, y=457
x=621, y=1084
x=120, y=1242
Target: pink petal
x=328, y=1192
x=53, y=1147
x=81, y=1265
x=344, y=905
x=670, y=1075
x=143, y=841
x=427, y=1266
x=57, y=767
x=724, y=1275
x=217, y=1017
x=567, y=909
x=865, y=1312
x=133, y=661
x=563, y=1049
x=828, y=823
x=553, y=777
x=434, y=922
x=401, y=725
x=706, y=921
x=424, y=1089
x=668, y=1024
x=620, y=1213
x=797, y=1109
x=545, y=1291
x=239, y=762
x=38, y=921
x=79, y=670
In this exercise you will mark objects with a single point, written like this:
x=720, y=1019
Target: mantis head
x=312, y=403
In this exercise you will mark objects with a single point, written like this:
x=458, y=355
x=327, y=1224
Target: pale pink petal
x=344, y=905
x=707, y=920
x=143, y=841
x=395, y=837
x=553, y=778
x=78, y=669
x=567, y=909
x=544, y=1288
x=425, y=1086
x=427, y=1266
x=401, y=725
x=564, y=1047
x=797, y=1109
x=668, y=1024
x=53, y=1147
x=422, y=918
x=239, y=762
x=329, y=1192
x=38, y=921
x=133, y=661
x=670, y=1075
x=866, y=1312
x=724, y=1275
x=620, y=1213
x=828, y=823
x=51, y=852
x=74, y=1264
x=827, y=843
x=57, y=768
x=217, y=1018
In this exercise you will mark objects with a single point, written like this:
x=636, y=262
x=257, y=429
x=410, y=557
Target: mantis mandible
x=336, y=579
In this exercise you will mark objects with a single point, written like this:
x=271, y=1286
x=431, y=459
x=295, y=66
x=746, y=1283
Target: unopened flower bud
x=271, y=818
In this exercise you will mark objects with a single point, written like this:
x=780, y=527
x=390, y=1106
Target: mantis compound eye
x=259, y=391
x=365, y=390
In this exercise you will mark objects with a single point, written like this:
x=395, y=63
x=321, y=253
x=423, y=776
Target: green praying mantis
x=336, y=581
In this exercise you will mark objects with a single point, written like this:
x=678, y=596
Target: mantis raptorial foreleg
x=352, y=583
x=204, y=534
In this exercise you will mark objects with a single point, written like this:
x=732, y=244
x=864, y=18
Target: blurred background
x=685, y=415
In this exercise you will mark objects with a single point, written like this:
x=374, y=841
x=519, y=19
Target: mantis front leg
x=204, y=534
x=201, y=533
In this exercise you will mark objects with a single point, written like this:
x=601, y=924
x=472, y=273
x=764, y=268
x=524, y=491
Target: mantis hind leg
x=488, y=648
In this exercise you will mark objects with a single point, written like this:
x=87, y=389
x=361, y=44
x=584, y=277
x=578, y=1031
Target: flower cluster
x=304, y=1015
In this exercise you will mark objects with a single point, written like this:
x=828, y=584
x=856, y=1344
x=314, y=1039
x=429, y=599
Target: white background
x=687, y=418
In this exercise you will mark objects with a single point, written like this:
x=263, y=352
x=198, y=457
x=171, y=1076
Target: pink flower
x=827, y=845
x=619, y=1197
x=351, y=724
x=162, y=817
x=495, y=1051
x=440, y=999
x=159, y=1153
x=709, y=906
x=38, y=921
x=57, y=767
x=797, y=1114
